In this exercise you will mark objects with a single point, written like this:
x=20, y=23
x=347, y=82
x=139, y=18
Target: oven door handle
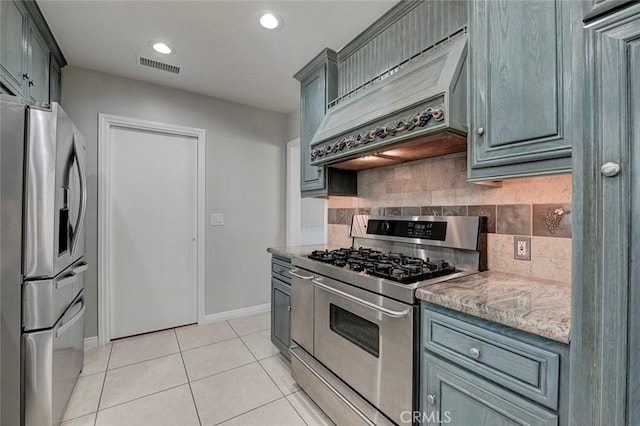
x=302, y=277
x=388, y=312
x=330, y=387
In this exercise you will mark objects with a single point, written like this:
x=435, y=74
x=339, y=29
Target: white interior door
x=153, y=250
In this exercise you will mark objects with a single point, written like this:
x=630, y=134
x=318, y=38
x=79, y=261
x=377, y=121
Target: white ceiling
x=218, y=44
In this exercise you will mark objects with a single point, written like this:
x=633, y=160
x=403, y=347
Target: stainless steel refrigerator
x=43, y=199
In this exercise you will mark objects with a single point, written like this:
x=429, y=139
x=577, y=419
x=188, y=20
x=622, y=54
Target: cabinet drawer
x=455, y=396
x=531, y=371
x=281, y=269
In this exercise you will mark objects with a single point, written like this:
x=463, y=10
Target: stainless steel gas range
x=354, y=320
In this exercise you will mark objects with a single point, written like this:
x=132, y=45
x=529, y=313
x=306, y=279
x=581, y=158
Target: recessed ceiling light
x=270, y=21
x=161, y=47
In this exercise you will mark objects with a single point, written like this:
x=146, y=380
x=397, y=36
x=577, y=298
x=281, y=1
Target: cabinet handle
x=480, y=131
x=431, y=399
x=474, y=353
x=32, y=83
x=610, y=169
x=26, y=76
x=289, y=308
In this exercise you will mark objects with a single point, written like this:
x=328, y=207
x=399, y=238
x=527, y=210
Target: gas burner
x=322, y=256
x=392, y=266
x=340, y=262
x=356, y=265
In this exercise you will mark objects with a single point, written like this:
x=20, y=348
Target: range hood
x=417, y=112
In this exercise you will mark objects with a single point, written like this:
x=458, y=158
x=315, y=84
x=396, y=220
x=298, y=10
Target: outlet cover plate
x=521, y=248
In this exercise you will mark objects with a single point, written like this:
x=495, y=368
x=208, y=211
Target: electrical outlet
x=522, y=248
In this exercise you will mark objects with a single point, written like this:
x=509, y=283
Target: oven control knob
x=385, y=226
x=431, y=399
x=474, y=353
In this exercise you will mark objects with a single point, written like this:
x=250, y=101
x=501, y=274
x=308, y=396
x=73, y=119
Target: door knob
x=480, y=131
x=431, y=399
x=610, y=169
x=474, y=353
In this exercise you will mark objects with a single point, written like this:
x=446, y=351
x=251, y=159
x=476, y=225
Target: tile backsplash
x=539, y=207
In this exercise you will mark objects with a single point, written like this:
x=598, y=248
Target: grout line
x=186, y=373
x=140, y=397
x=104, y=380
x=269, y=375
x=220, y=372
x=207, y=344
x=144, y=360
x=248, y=411
x=294, y=408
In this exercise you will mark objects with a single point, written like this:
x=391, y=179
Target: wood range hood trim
x=435, y=81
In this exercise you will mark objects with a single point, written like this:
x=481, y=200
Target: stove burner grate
x=392, y=266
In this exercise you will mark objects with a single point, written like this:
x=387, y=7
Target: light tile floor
x=225, y=373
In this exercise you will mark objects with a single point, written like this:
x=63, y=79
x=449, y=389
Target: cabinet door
x=281, y=315
x=13, y=46
x=38, y=89
x=455, y=397
x=55, y=81
x=313, y=104
x=605, y=311
x=521, y=87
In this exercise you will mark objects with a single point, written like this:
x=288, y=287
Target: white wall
x=245, y=178
x=293, y=125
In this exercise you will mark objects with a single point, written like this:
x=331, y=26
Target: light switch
x=217, y=219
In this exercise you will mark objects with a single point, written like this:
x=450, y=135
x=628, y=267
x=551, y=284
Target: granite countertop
x=289, y=251
x=538, y=306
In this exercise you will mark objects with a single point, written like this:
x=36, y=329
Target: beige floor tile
x=308, y=410
x=211, y=359
x=194, y=336
x=279, y=369
x=96, y=359
x=260, y=344
x=229, y=394
x=85, y=397
x=87, y=420
x=251, y=324
x=142, y=348
x=172, y=407
x=277, y=413
x=142, y=379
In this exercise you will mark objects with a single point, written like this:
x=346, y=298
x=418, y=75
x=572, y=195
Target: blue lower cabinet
x=281, y=304
x=454, y=396
x=477, y=372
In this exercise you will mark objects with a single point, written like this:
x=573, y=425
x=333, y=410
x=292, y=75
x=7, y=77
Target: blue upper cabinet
x=14, y=56
x=30, y=58
x=526, y=65
x=318, y=86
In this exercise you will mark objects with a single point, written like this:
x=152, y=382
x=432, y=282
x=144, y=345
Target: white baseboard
x=90, y=342
x=237, y=313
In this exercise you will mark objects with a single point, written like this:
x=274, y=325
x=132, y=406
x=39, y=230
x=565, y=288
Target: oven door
x=368, y=341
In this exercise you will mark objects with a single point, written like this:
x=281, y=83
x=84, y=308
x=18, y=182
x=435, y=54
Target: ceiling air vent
x=158, y=65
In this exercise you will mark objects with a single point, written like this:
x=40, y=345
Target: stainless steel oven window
x=359, y=331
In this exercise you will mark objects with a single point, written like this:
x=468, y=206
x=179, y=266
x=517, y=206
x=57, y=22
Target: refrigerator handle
x=83, y=194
